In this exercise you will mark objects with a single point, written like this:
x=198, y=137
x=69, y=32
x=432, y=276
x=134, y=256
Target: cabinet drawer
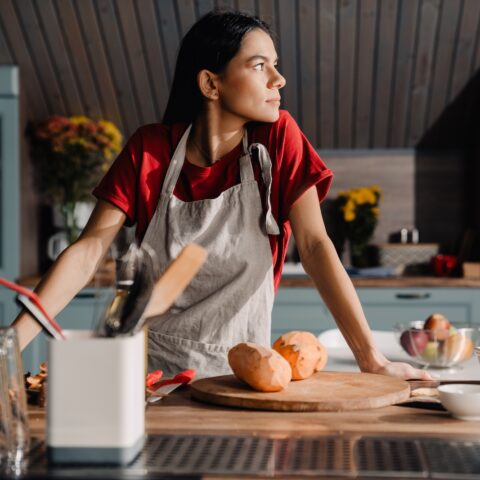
x=299, y=309
x=385, y=307
x=84, y=311
x=303, y=309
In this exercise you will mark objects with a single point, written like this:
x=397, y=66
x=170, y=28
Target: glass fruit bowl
x=436, y=347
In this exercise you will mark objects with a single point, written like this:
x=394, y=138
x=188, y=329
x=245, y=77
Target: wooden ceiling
x=360, y=73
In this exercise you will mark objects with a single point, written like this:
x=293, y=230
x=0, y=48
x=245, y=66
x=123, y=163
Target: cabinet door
x=385, y=307
x=82, y=313
x=299, y=309
x=303, y=309
x=8, y=307
x=9, y=173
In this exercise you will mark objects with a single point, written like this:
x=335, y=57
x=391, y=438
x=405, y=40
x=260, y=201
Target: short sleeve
x=299, y=165
x=119, y=185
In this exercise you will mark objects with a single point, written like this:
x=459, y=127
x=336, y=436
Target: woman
x=230, y=171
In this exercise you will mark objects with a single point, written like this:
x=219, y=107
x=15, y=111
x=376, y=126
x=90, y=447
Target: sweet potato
x=262, y=368
x=303, y=352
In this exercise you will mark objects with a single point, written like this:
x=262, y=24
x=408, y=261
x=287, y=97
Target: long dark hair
x=210, y=44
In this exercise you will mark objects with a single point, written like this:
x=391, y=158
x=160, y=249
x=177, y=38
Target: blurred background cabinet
x=9, y=186
x=82, y=313
x=303, y=309
x=85, y=308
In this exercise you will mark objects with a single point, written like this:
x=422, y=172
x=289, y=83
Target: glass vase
x=359, y=254
x=71, y=228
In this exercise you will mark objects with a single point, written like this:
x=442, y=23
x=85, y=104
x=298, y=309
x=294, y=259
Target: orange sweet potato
x=262, y=368
x=303, y=352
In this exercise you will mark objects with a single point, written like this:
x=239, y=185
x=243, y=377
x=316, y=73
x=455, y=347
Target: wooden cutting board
x=323, y=391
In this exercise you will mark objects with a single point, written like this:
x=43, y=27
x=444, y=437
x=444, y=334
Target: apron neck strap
x=176, y=164
x=246, y=173
x=271, y=226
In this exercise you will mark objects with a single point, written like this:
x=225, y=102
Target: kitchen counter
x=294, y=276
x=177, y=421
x=106, y=279
x=179, y=414
x=299, y=280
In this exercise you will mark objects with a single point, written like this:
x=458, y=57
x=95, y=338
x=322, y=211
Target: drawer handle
x=85, y=295
x=412, y=296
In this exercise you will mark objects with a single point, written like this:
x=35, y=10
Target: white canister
x=96, y=398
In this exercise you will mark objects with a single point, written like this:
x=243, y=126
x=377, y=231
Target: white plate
x=338, y=349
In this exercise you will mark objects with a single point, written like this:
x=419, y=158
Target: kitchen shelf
x=299, y=280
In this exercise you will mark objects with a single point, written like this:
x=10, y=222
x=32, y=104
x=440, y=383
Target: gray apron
x=230, y=300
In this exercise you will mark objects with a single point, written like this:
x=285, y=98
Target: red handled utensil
x=46, y=321
x=153, y=378
x=24, y=302
x=164, y=387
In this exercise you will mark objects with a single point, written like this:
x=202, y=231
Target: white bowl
x=462, y=400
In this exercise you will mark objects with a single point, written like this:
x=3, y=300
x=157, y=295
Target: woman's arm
x=74, y=267
x=321, y=262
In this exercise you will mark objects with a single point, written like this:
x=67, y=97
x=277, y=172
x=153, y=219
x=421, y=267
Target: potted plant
x=70, y=154
x=359, y=209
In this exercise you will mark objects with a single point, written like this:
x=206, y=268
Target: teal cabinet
x=299, y=309
x=9, y=187
x=303, y=309
x=385, y=307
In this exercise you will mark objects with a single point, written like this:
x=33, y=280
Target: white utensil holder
x=96, y=398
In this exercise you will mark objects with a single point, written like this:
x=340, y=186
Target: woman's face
x=249, y=86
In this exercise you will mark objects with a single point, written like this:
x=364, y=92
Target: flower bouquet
x=360, y=210
x=70, y=154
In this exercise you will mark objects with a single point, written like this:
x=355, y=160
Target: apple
x=414, y=341
x=431, y=352
x=438, y=325
x=458, y=348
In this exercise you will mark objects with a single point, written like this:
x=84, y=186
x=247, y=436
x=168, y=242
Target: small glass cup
x=14, y=406
x=5, y=416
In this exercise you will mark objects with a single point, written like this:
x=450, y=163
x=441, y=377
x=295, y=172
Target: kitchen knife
x=144, y=280
x=175, y=279
x=164, y=387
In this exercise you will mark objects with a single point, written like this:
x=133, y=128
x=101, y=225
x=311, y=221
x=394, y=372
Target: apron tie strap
x=271, y=225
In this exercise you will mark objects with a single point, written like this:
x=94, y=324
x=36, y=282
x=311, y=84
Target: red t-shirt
x=133, y=183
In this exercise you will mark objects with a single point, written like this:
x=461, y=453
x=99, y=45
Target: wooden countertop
x=293, y=280
x=178, y=414
x=104, y=278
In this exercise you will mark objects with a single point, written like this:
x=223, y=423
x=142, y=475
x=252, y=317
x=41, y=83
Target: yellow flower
x=112, y=131
x=107, y=153
x=81, y=142
x=376, y=211
x=370, y=196
x=79, y=119
x=349, y=211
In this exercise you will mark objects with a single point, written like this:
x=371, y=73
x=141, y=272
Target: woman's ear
x=207, y=83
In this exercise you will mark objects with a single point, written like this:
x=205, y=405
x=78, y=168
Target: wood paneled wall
x=361, y=73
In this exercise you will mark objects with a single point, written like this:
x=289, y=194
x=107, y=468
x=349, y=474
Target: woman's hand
x=403, y=371
x=373, y=361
